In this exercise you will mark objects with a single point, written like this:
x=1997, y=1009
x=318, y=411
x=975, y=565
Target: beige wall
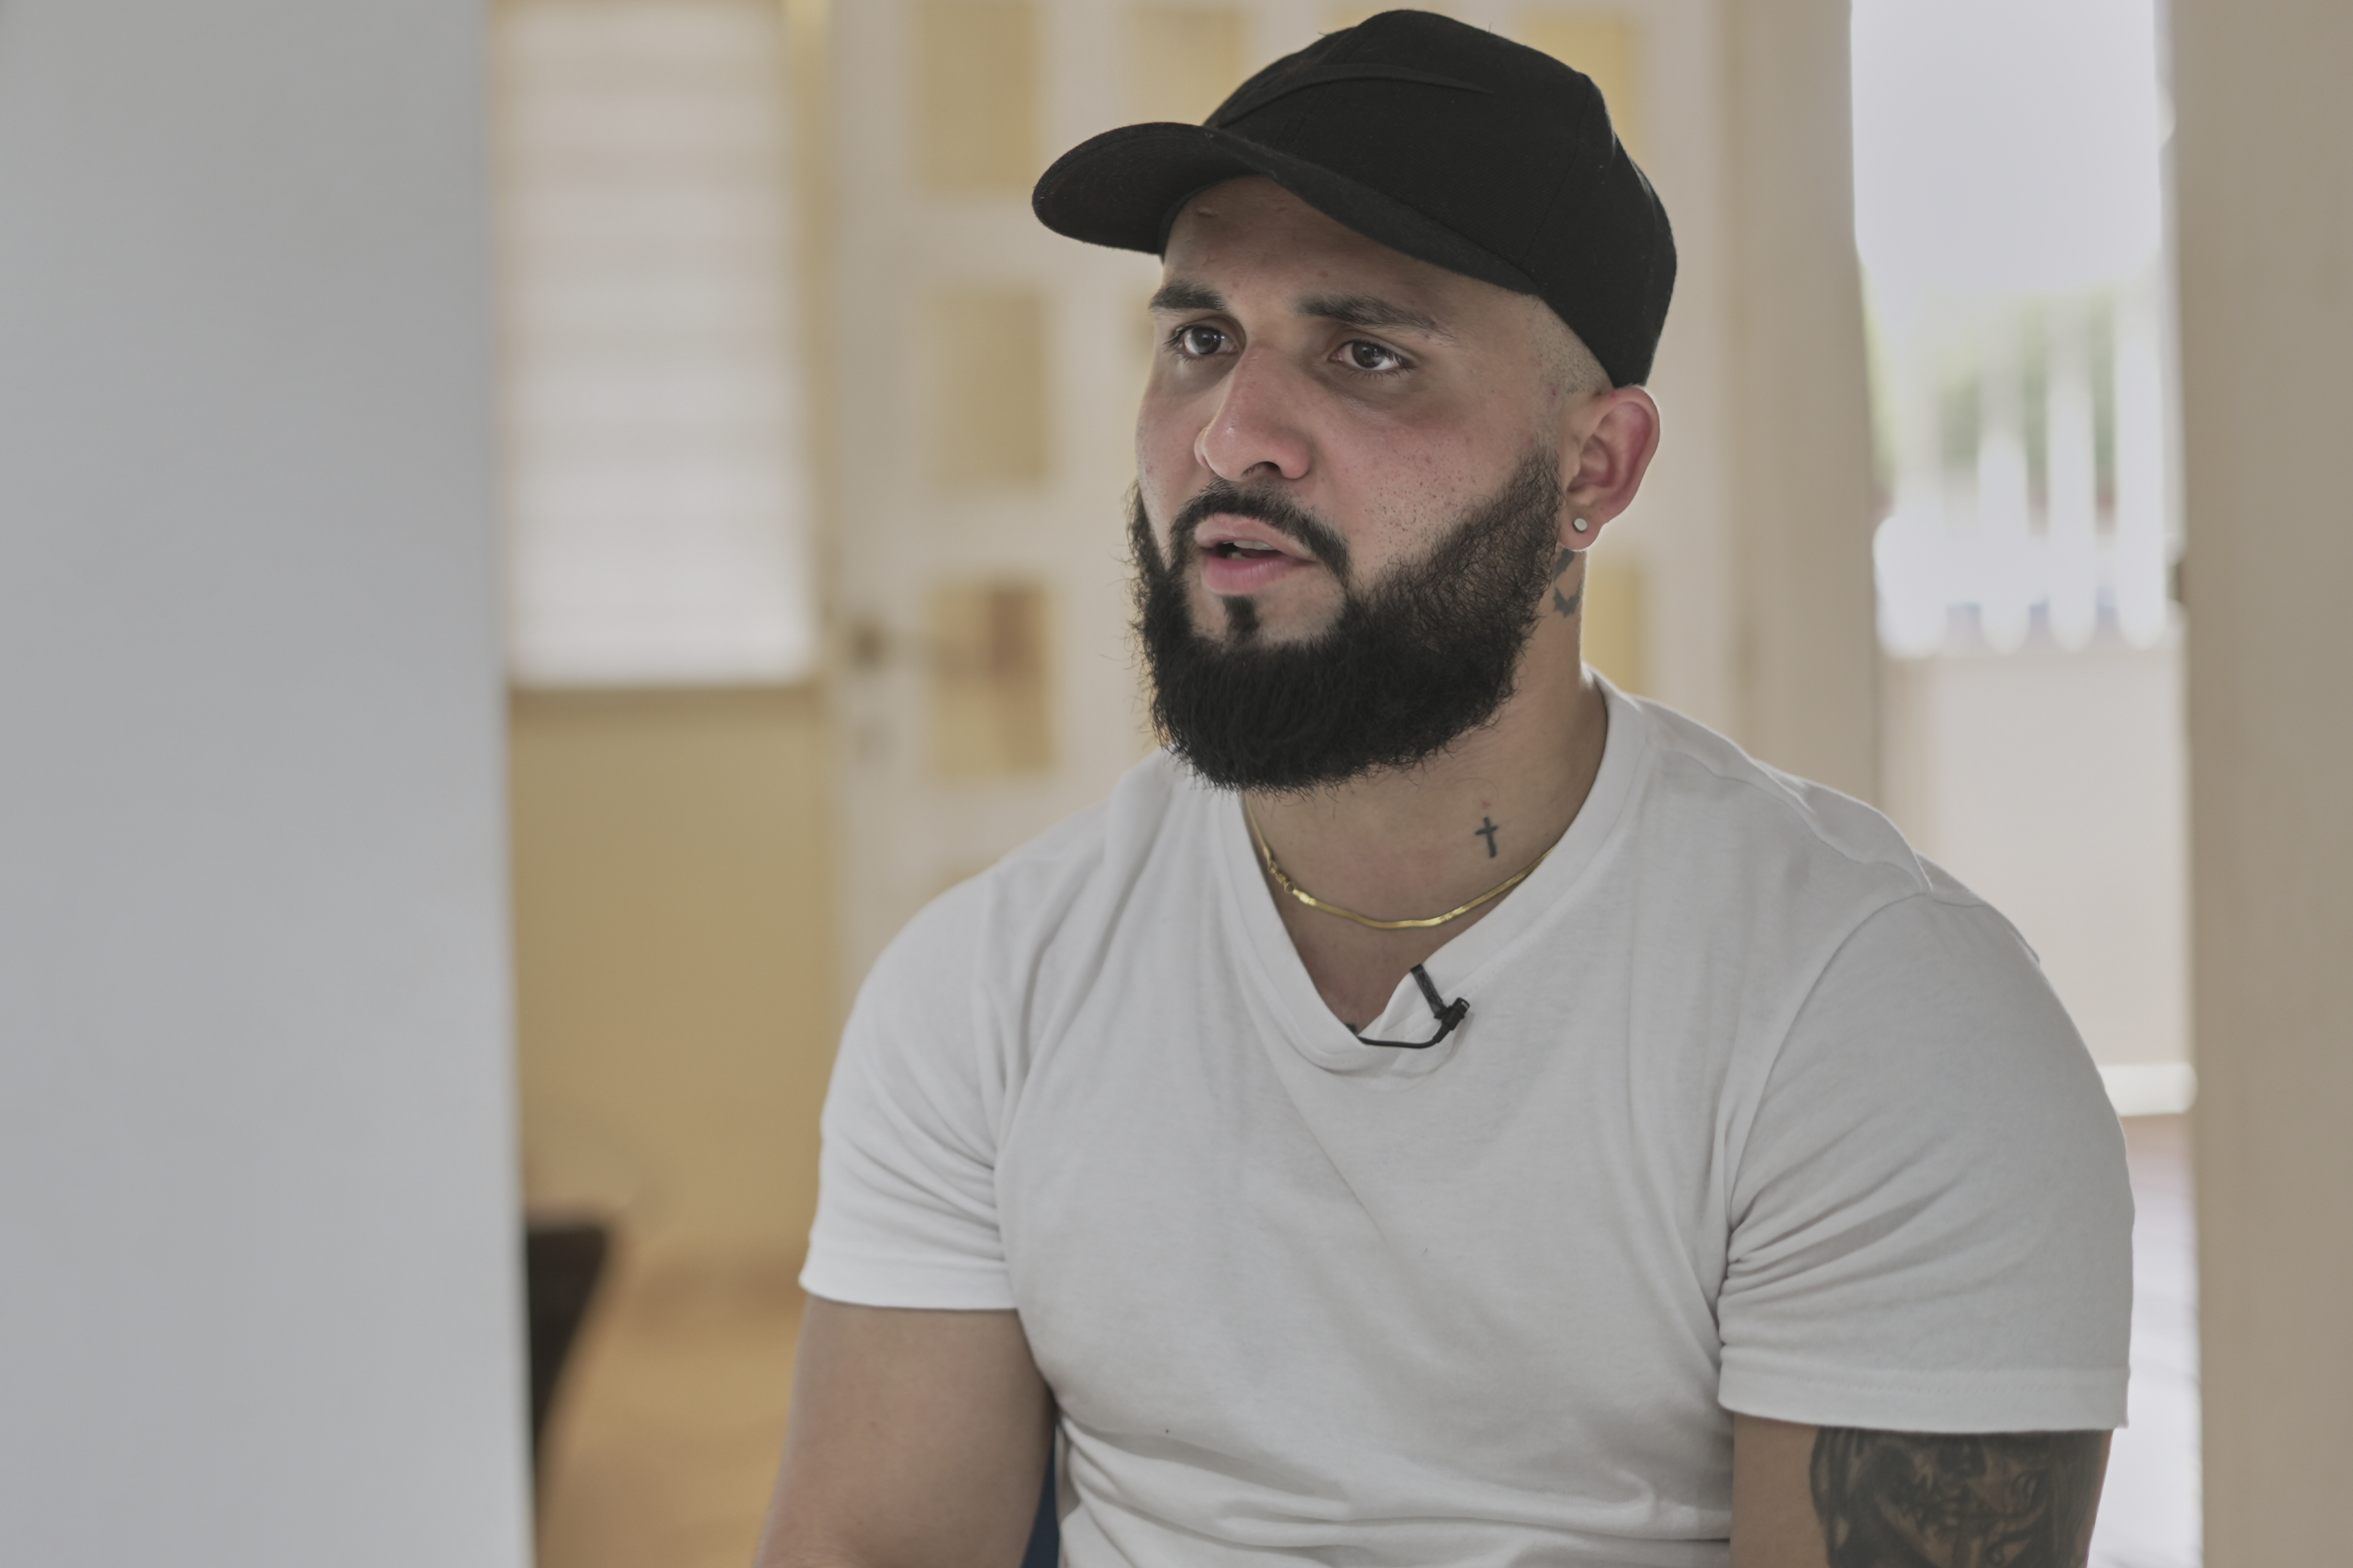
x=2052, y=784
x=1802, y=422
x=2264, y=154
x=674, y=914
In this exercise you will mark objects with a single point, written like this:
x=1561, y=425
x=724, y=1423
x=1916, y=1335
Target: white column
x=1800, y=400
x=2264, y=154
x=256, y=1153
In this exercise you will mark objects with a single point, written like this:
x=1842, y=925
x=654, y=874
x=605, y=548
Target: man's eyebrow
x=1372, y=313
x=1366, y=310
x=1178, y=294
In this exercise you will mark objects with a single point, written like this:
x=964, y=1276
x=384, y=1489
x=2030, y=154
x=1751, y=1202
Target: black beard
x=1414, y=661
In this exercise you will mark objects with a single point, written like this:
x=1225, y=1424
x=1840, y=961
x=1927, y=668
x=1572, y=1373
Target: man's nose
x=1254, y=431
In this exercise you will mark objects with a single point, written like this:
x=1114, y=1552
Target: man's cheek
x=1164, y=449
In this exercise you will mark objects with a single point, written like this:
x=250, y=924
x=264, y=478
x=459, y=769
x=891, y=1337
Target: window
x=658, y=498
x=2006, y=207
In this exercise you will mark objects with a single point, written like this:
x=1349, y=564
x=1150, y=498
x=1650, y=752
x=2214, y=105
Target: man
x=1440, y=1109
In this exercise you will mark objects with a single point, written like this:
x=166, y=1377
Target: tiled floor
x=2149, y=1515
x=671, y=1425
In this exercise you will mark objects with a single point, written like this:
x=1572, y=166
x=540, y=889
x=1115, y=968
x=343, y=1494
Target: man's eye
x=1363, y=355
x=1198, y=341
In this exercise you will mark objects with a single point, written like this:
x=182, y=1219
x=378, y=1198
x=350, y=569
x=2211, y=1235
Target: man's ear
x=1613, y=438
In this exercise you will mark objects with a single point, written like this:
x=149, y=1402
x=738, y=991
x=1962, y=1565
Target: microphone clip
x=1448, y=1014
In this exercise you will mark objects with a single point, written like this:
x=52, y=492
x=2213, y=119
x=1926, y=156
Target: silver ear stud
x=1580, y=525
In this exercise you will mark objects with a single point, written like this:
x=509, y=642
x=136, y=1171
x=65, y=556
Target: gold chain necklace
x=1312, y=902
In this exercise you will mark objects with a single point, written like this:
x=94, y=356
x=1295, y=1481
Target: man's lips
x=1243, y=555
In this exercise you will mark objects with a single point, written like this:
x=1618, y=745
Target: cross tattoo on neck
x=1487, y=830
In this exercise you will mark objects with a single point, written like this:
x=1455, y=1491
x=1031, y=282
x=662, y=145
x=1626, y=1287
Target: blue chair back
x=1045, y=1550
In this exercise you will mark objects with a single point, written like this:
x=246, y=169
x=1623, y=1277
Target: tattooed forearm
x=1567, y=604
x=1899, y=1500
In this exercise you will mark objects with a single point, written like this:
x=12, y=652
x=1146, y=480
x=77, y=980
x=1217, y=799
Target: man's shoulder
x=1707, y=793
x=1071, y=874
x=1108, y=839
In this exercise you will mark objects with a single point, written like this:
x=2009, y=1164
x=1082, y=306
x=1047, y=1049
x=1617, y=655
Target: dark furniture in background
x=562, y=1260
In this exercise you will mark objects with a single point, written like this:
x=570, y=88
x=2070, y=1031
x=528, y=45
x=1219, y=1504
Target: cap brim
x=1123, y=189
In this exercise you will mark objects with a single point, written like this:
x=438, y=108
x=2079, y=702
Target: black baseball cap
x=1439, y=140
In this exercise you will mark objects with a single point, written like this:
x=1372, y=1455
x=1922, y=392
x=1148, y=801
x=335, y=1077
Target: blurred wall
x=2264, y=155
x=256, y=1145
x=2054, y=784
x=674, y=917
x=1804, y=605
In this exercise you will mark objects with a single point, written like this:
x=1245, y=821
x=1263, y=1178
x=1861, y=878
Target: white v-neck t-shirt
x=1753, y=1110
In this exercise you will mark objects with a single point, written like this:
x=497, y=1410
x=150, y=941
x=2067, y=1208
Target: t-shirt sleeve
x=1931, y=1220
x=907, y=1180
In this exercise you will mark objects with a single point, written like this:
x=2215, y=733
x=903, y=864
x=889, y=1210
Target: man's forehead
x=1252, y=214
x=1244, y=193
x=1251, y=229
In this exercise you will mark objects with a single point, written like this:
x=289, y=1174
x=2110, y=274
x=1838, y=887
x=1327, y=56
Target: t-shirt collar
x=1262, y=948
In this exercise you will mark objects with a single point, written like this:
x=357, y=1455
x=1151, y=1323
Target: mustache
x=1273, y=508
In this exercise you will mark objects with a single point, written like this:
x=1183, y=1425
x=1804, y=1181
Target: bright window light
x=2006, y=146
x=2008, y=208
x=657, y=490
